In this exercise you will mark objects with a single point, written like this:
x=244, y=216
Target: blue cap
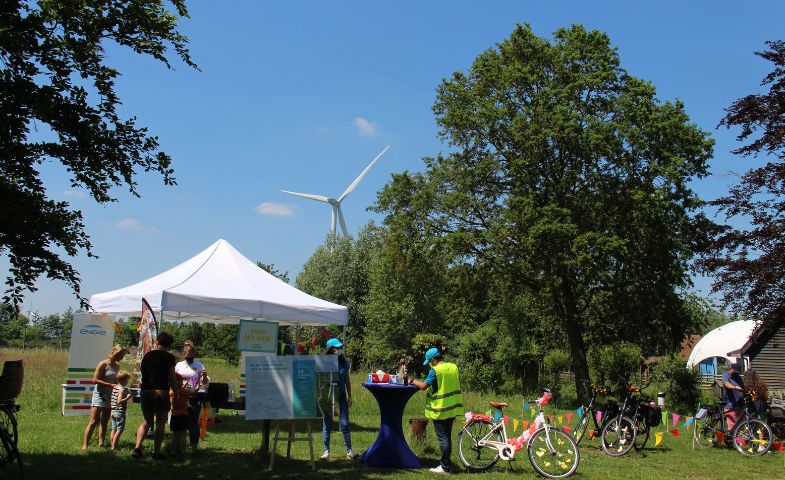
x=334, y=343
x=432, y=352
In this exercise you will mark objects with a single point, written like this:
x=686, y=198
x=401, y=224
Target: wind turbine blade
x=320, y=198
x=332, y=221
x=364, y=172
x=343, y=223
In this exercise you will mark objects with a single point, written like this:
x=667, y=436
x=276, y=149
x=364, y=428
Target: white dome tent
x=712, y=350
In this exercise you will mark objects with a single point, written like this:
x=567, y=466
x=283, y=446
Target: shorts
x=155, y=401
x=101, y=399
x=178, y=423
x=118, y=421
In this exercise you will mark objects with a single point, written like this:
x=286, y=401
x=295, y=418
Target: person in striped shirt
x=120, y=397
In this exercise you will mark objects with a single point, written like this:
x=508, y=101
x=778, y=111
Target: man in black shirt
x=157, y=376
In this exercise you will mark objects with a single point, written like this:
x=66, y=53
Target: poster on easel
x=92, y=337
x=280, y=387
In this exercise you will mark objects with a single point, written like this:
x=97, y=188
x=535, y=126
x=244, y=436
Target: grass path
x=50, y=443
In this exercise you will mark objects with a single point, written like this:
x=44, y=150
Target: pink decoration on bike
x=545, y=399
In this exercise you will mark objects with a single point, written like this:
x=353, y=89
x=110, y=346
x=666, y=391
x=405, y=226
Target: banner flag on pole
x=676, y=418
x=657, y=438
x=569, y=416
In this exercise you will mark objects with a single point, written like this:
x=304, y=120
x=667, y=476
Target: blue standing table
x=390, y=448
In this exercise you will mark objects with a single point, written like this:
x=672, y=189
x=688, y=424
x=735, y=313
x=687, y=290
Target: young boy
x=120, y=397
x=178, y=423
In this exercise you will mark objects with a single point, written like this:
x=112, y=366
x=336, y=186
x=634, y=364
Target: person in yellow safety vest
x=443, y=402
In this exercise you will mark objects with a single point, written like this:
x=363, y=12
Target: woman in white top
x=193, y=371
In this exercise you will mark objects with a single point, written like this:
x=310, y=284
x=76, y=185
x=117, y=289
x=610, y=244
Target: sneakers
x=351, y=455
x=438, y=469
x=325, y=455
x=136, y=453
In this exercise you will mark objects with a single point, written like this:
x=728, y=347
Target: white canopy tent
x=721, y=341
x=220, y=285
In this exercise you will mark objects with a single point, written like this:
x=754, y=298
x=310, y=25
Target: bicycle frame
x=505, y=449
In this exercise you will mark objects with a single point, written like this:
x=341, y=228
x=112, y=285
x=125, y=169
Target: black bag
x=653, y=415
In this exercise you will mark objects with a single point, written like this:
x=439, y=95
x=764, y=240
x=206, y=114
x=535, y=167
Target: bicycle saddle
x=498, y=405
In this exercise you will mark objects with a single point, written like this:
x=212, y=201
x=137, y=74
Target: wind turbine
x=337, y=214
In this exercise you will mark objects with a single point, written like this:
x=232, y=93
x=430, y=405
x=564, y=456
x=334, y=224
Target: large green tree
x=569, y=179
x=58, y=104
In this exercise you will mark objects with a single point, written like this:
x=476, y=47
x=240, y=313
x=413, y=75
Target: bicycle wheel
x=473, y=456
x=8, y=422
x=705, y=431
x=752, y=437
x=641, y=435
x=618, y=436
x=553, y=453
x=580, y=429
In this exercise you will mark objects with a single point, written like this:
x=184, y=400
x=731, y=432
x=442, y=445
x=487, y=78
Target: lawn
x=50, y=443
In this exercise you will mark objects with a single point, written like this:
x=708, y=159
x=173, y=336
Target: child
x=120, y=396
x=178, y=423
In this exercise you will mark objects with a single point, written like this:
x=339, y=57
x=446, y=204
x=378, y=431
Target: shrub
x=680, y=384
x=608, y=363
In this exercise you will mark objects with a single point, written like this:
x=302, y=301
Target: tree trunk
x=578, y=353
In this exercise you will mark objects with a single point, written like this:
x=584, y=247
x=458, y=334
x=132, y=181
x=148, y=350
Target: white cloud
x=74, y=193
x=132, y=224
x=277, y=209
x=365, y=128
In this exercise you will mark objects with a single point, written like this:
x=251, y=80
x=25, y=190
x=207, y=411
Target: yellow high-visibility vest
x=445, y=401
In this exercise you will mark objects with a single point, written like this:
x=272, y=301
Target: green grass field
x=50, y=443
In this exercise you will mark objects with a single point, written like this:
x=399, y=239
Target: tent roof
x=720, y=341
x=220, y=285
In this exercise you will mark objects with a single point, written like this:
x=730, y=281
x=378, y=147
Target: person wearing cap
x=344, y=392
x=734, y=395
x=443, y=402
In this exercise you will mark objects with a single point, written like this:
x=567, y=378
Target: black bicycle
x=620, y=432
x=9, y=435
x=750, y=436
x=589, y=414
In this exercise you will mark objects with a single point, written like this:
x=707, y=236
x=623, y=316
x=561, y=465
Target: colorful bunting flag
x=533, y=412
x=676, y=418
x=657, y=438
x=566, y=430
x=675, y=432
x=506, y=419
x=688, y=421
x=665, y=418
x=550, y=418
x=560, y=418
x=525, y=425
x=569, y=416
x=496, y=416
x=720, y=437
x=599, y=418
x=525, y=406
x=514, y=425
x=778, y=446
x=580, y=411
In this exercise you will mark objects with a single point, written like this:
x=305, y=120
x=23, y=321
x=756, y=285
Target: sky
x=303, y=95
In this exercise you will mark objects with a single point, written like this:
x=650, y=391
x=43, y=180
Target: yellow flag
x=657, y=438
x=514, y=425
x=560, y=420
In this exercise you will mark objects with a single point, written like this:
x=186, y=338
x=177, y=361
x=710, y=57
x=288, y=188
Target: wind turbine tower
x=335, y=204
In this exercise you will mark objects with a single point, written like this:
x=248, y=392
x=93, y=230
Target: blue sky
x=302, y=95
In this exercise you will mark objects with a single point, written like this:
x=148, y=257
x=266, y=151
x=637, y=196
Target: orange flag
x=720, y=437
x=569, y=416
